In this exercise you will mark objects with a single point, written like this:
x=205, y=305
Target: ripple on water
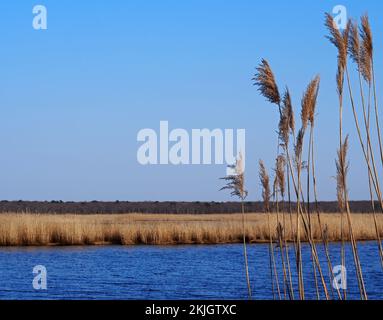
x=166, y=272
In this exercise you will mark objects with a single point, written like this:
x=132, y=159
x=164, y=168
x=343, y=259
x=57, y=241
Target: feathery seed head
x=285, y=121
x=265, y=182
x=366, y=50
x=298, y=148
x=236, y=181
x=338, y=39
x=354, y=44
x=280, y=174
x=264, y=79
x=341, y=177
x=309, y=102
x=340, y=80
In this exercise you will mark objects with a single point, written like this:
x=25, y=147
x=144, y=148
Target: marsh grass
x=154, y=229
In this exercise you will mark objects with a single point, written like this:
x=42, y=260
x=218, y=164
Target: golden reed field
x=163, y=229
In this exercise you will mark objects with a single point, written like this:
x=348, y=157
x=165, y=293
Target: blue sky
x=73, y=97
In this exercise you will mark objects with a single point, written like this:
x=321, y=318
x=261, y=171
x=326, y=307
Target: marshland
x=162, y=229
x=291, y=250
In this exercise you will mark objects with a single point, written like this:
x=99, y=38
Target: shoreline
x=170, y=245
x=166, y=229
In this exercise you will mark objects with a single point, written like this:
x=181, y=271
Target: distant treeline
x=99, y=207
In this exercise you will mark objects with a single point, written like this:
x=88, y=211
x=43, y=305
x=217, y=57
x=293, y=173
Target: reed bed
x=355, y=43
x=154, y=229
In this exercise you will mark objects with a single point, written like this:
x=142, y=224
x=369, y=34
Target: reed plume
x=236, y=181
x=368, y=62
x=366, y=50
x=338, y=39
x=354, y=48
x=265, y=80
x=298, y=148
x=286, y=122
x=309, y=102
x=289, y=111
x=280, y=174
x=265, y=182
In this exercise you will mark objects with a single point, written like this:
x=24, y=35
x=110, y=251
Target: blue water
x=165, y=272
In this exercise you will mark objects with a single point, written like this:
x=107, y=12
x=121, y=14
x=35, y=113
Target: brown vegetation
x=129, y=229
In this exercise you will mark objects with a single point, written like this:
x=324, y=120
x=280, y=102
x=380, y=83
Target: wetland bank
x=161, y=229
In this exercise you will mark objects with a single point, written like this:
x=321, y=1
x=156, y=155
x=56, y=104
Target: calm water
x=145, y=272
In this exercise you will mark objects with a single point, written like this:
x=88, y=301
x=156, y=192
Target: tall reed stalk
x=286, y=128
x=340, y=197
x=340, y=40
x=266, y=194
x=236, y=183
x=265, y=81
x=361, y=52
x=280, y=187
x=342, y=169
x=318, y=213
x=279, y=233
x=307, y=113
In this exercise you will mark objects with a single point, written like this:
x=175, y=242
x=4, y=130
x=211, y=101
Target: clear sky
x=73, y=97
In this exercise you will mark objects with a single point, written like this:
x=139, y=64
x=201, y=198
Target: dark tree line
x=99, y=207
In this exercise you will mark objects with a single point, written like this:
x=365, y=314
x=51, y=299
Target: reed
x=264, y=79
x=308, y=106
x=286, y=128
x=280, y=188
x=341, y=41
x=361, y=52
x=163, y=229
x=351, y=42
x=308, y=115
x=368, y=59
x=342, y=168
x=311, y=113
x=236, y=183
x=266, y=194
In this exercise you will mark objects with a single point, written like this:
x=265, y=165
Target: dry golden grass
x=128, y=229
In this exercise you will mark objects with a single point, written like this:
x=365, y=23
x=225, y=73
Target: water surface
x=166, y=272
